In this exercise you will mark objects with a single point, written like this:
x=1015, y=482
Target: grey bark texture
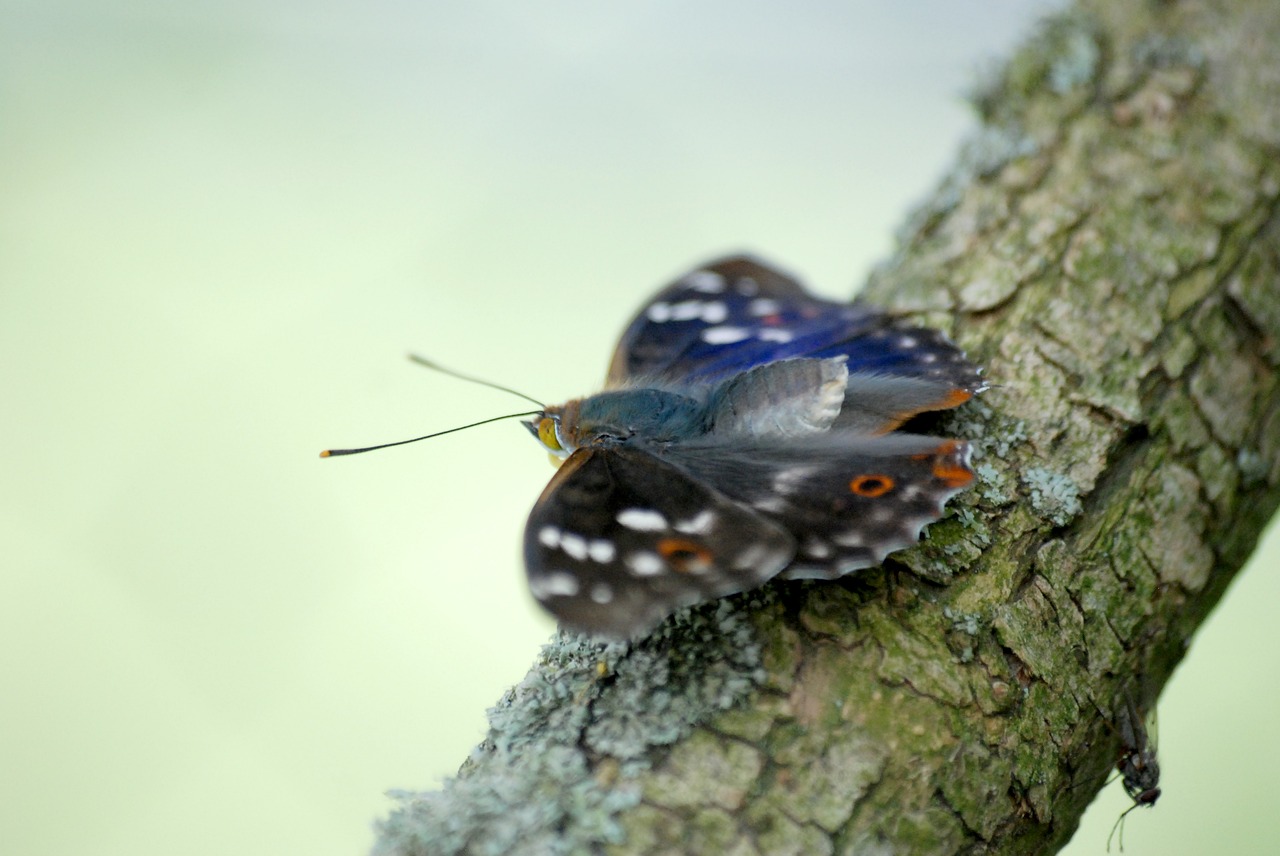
x=1109, y=247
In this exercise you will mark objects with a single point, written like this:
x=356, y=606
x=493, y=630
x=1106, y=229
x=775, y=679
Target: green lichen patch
x=925, y=829
x=752, y=723
x=1219, y=477
x=713, y=831
x=982, y=807
x=1176, y=543
x=819, y=781
x=920, y=658
x=537, y=785
x=949, y=547
x=1037, y=763
x=988, y=151
x=1181, y=425
x=1055, y=496
x=827, y=684
x=1221, y=379
x=1167, y=51
x=515, y=808
x=1179, y=351
x=1064, y=57
x=644, y=827
x=774, y=832
x=703, y=661
x=1125, y=556
x=1250, y=288
x=995, y=434
x=1097, y=601
x=994, y=687
x=1001, y=572
x=705, y=770
x=829, y=610
x=1023, y=627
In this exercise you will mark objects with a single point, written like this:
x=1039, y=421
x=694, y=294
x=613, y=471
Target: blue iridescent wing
x=737, y=313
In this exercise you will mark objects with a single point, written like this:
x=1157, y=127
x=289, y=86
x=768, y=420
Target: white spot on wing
x=775, y=504
x=549, y=536
x=642, y=519
x=659, y=313
x=788, y=480
x=706, y=281
x=715, y=312
x=850, y=539
x=761, y=558
x=601, y=551
x=602, y=593
x=882, y=514
x=687, y=310
x=774, y=334
x=699, y=525
x=644, y=564
x=554, y=584
x=724, y=335
x=817, y=549
x=763, y=306
x=574, y=545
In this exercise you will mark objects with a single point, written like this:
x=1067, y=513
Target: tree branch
x=1107, y=247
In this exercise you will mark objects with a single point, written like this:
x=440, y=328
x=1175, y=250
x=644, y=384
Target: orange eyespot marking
x=949, y=468
x=871, y=486
x=685, y=556
x=547, y=433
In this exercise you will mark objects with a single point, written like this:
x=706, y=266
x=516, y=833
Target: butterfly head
x=551, y=430
x=612, y=418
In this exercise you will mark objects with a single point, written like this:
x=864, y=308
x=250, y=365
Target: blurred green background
x=221, y=228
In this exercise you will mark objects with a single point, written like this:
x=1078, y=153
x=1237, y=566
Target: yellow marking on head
x=547, y=433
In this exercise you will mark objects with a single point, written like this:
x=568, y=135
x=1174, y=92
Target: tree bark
x=1109, y=247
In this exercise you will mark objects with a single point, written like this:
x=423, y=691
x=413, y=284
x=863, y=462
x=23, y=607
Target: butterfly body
x=746, y=433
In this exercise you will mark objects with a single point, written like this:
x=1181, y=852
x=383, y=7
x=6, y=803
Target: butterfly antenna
x=333, y=453
x=423, y=361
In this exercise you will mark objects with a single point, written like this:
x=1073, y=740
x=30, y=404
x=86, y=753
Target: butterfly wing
x=796, y=475
x=847, y=500
x=620, y=539
x=737, y=313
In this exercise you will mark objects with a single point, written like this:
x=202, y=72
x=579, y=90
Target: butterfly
x=746, y=432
